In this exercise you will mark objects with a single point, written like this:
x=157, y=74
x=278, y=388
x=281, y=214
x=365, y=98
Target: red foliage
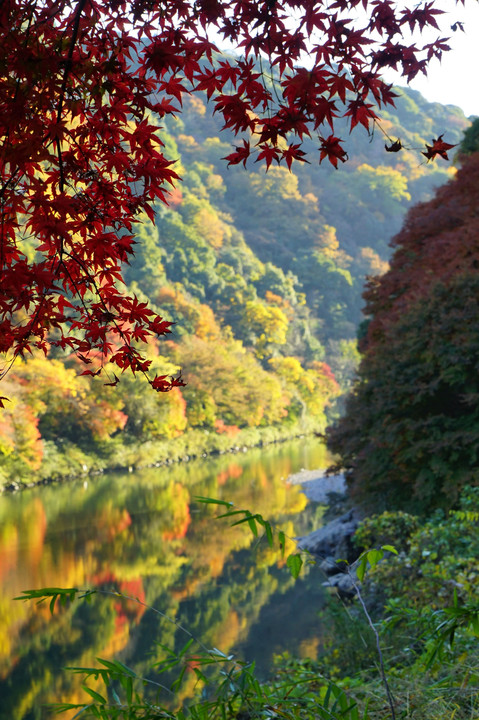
x=438, y=242
x=81, y=157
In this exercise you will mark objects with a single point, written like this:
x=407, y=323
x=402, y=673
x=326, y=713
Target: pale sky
x=455, y=80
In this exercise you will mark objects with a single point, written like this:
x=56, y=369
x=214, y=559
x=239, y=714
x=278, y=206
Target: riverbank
x=317, y=486
x=65, y=461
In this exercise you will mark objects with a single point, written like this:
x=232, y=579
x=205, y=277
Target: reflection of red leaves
x=438, y=147
x=332, y=149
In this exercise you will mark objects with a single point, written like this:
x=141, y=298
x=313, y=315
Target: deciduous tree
x=82, y=84
x=410, y=435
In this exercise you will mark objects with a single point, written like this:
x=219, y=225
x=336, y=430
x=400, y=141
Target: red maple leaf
x=438, y=147
x=240, y=156
x=268, y=154
x=332, y=149
x=293, y=152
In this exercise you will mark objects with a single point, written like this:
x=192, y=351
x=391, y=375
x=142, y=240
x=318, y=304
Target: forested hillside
x=409, y=438
x=261, y=274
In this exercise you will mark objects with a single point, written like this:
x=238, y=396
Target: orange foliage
x=327, y=376
x=105, y=420
x=223, y=429
x=206, y=327
x=35, y=519
x=112, y=521
x=232, y=472
x=175, y=197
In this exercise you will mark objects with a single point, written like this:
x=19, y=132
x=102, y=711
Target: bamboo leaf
x=269, y=533
x=294, y=563
x=212, y=501
x=95, y=695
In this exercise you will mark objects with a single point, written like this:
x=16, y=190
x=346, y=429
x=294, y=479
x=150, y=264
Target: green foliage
x=388, y=527
x=470, y=142
x=439, y=560
x=233, y=690
x=370, y=559
x=410, y=435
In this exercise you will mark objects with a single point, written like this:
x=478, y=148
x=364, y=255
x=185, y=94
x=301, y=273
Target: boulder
x=343, y=585
x=333, y=541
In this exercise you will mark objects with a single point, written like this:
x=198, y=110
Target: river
x=142, y=534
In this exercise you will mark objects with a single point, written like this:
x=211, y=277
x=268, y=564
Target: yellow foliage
x=268, y=323
x=278, y=182
x=207, y=328
x=385, y=179
x=209, y=225
x=375, y=265
x=197, y=105
x=288, y=368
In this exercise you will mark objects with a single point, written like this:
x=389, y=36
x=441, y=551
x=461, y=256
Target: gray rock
x=343, y=584
x=317, y=486
x=334, y=540
x=329, y=566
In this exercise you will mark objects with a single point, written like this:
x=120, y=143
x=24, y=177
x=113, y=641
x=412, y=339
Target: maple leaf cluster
x=82, y=85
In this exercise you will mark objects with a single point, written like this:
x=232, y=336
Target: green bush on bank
x=65, y=459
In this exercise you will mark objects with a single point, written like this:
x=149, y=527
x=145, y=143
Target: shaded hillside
x=410, y=434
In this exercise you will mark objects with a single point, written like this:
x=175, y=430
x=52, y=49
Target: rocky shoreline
x=334, y=541
x=317, y=486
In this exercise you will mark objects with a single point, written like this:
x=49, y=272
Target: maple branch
x=73, y=282
x=68, y=62
x=121, y=334
x=30, y=326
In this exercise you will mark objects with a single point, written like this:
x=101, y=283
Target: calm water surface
x=142, y=534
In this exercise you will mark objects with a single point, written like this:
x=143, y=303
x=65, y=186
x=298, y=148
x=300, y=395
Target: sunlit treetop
x=82, y=85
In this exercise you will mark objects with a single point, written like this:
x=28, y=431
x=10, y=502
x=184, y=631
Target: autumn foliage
x=410, y=435
x=83, y=88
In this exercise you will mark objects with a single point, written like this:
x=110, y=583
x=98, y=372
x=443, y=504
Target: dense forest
x=408, y=438
x=261, y=274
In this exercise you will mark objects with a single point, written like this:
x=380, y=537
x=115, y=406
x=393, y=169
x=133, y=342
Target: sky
x=454, y=80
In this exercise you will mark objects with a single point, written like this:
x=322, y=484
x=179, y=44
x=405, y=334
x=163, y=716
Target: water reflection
x=143, y=535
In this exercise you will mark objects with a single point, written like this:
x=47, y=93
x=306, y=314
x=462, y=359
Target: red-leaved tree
x=82, y=85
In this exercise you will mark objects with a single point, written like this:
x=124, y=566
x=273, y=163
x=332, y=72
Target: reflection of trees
x=140, y=535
